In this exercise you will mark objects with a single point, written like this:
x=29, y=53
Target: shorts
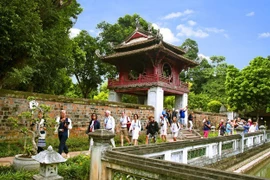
x=182, y=121
x=123, y=131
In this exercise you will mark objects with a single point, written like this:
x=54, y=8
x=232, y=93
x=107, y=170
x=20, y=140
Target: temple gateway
x=149, y=69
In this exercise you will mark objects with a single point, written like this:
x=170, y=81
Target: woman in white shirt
x=175, y=127
x=135, y=127
x=163, y=128
x=252, y=127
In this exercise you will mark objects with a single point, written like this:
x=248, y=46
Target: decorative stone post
x=49, y=160
x=240, y=130
x=262, y=128
x=102, y=141
x=213, y=128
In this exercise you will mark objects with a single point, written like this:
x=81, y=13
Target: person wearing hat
x=152, y=129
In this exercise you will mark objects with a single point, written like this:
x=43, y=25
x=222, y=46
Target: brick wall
x=13, y=103
x=213, y=117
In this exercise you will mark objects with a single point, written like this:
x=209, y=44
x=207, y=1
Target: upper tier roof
x=140, y=42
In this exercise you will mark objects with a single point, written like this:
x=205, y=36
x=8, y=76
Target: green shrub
x=214, y=106
x=9, y=173
x=10, y=148
x=77, y=168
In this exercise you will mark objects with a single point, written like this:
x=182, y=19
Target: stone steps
x=186, y=134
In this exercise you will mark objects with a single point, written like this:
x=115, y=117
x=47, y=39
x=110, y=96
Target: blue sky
x=236, y=29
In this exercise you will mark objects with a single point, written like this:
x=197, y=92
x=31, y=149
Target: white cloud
x=264, y=35
x=94, y=33
x=250, y=14
x=202, y=56
x=73, y=32
x=167, y=34
x=214, y=30
x=191, y=23
x=189, y=31
x=178, y=14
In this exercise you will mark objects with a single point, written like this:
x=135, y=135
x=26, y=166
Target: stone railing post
x=102, y=141
x=240, y=130
x=262, y=128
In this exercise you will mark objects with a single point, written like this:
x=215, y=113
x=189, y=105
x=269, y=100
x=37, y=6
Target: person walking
x=163, y=128
x=152, y=130
x=190, y=120
x=109, y=124
x=182, y=114
x=229, y=128
x=206, y=127
x=41, y=129
x=124, y=129
x=175, y=127
x=64, y=124
x=135, y=128
x=94, y=124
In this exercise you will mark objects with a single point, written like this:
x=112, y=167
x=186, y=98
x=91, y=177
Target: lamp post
x=49, y=160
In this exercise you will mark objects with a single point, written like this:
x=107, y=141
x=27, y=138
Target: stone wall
x=13, y=103
x=213, y=117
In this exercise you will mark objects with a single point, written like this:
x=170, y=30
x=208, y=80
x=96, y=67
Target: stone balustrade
x=178, y=160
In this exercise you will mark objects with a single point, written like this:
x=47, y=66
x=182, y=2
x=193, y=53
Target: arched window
x=167, y=71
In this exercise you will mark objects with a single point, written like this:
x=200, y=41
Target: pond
x=261, y=170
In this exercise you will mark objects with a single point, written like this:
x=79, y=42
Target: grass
x=76, y=142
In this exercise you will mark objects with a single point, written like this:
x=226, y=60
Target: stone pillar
x=181, y=101
x=185, y=156
x=114, y=96
x=102, y=141
x=210, y=151
x=156, y=98
x=240, y=130
x=220, y=149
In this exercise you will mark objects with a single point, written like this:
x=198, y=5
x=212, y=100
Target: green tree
x=169, y=102
x=249, y=89
x=35, y=42
x=87, y=67
x=116, y=33
x=192, y=49
x=215, y=84
x=199, y=75
x=104, y=93
x=214, y=106
x=198, y=101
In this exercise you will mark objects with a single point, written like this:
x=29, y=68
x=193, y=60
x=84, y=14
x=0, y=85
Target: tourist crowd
x=130, y=127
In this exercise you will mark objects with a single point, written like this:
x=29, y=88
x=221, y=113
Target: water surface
x=261, y=170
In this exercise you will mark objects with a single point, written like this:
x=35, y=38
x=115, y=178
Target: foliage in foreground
x=74, y=168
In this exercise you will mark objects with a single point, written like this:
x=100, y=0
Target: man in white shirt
x=124, y=120
x=109, y=124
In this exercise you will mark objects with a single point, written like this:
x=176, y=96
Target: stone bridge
x=174, y=160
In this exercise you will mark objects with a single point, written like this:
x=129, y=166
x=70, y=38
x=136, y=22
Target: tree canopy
x=87, y=67
x=249, y=89
x=35, y=44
